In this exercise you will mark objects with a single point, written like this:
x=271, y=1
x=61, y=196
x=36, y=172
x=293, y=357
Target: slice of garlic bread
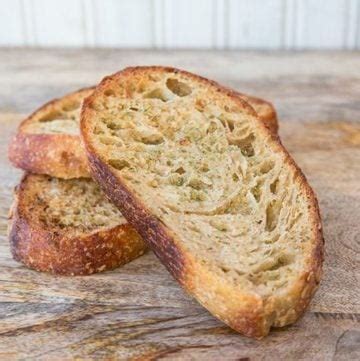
x=211, y=190
x=68, y=227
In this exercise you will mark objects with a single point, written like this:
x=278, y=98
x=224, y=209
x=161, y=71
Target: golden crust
x=64, y=252
x=246, y=313
x=58, y=155
x=62, y=155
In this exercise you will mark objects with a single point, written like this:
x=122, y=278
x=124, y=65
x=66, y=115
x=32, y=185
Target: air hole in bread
x=54, y=115
x=211, y=128
x=200, y=105
x=147, y=135
x=256, y=191
x=177, y=87
x=272, y=215
x=119, y=164
x=230, y=124
x=164, y=211
x=113, y=125
x=70, y=106
x=245, y=144
x=109, y=93
x=198, y=183
x=180, y=170
x=266, y=167
x=157, y=94
x=270, y=264
x=227, y=122
x=204, y=167
x=284, y=260
x=274, y=186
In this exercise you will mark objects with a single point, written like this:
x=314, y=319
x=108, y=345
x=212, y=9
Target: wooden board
x=138, y=311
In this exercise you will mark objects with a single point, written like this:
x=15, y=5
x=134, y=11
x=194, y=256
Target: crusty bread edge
x=271, y=118
x=63, y=253
x=65, y=160
x=248, y=315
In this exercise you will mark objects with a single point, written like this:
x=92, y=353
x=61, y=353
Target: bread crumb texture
x=61, y=116
x=75, y=204
x=207, y=168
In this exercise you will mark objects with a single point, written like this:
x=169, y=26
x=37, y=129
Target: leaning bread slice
x=47, y=142
x=68, y=227
x=211, y=190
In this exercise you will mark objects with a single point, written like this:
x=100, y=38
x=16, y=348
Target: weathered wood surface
x=138, y=311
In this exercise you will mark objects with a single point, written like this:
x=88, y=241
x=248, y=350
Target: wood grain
x=138, y=312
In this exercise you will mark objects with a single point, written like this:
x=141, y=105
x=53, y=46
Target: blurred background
x=287, y=51
x=163, y=24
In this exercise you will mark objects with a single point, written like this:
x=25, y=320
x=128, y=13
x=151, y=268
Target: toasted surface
x=47, y=142
x=69, y=227
x=211, y=190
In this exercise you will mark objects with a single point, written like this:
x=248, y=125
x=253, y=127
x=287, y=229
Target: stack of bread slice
x=55, y=219
x=193, y=170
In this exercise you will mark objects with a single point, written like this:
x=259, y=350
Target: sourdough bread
x=68, y=227
x=211, y=190
x=47, y=142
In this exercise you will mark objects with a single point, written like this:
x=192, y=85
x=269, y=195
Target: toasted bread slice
x=68, y=227
x=47, y=142
x=211, y=190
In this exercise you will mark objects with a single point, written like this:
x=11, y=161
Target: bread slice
x=68, y=227
x=47, y=142
x=211, y=190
